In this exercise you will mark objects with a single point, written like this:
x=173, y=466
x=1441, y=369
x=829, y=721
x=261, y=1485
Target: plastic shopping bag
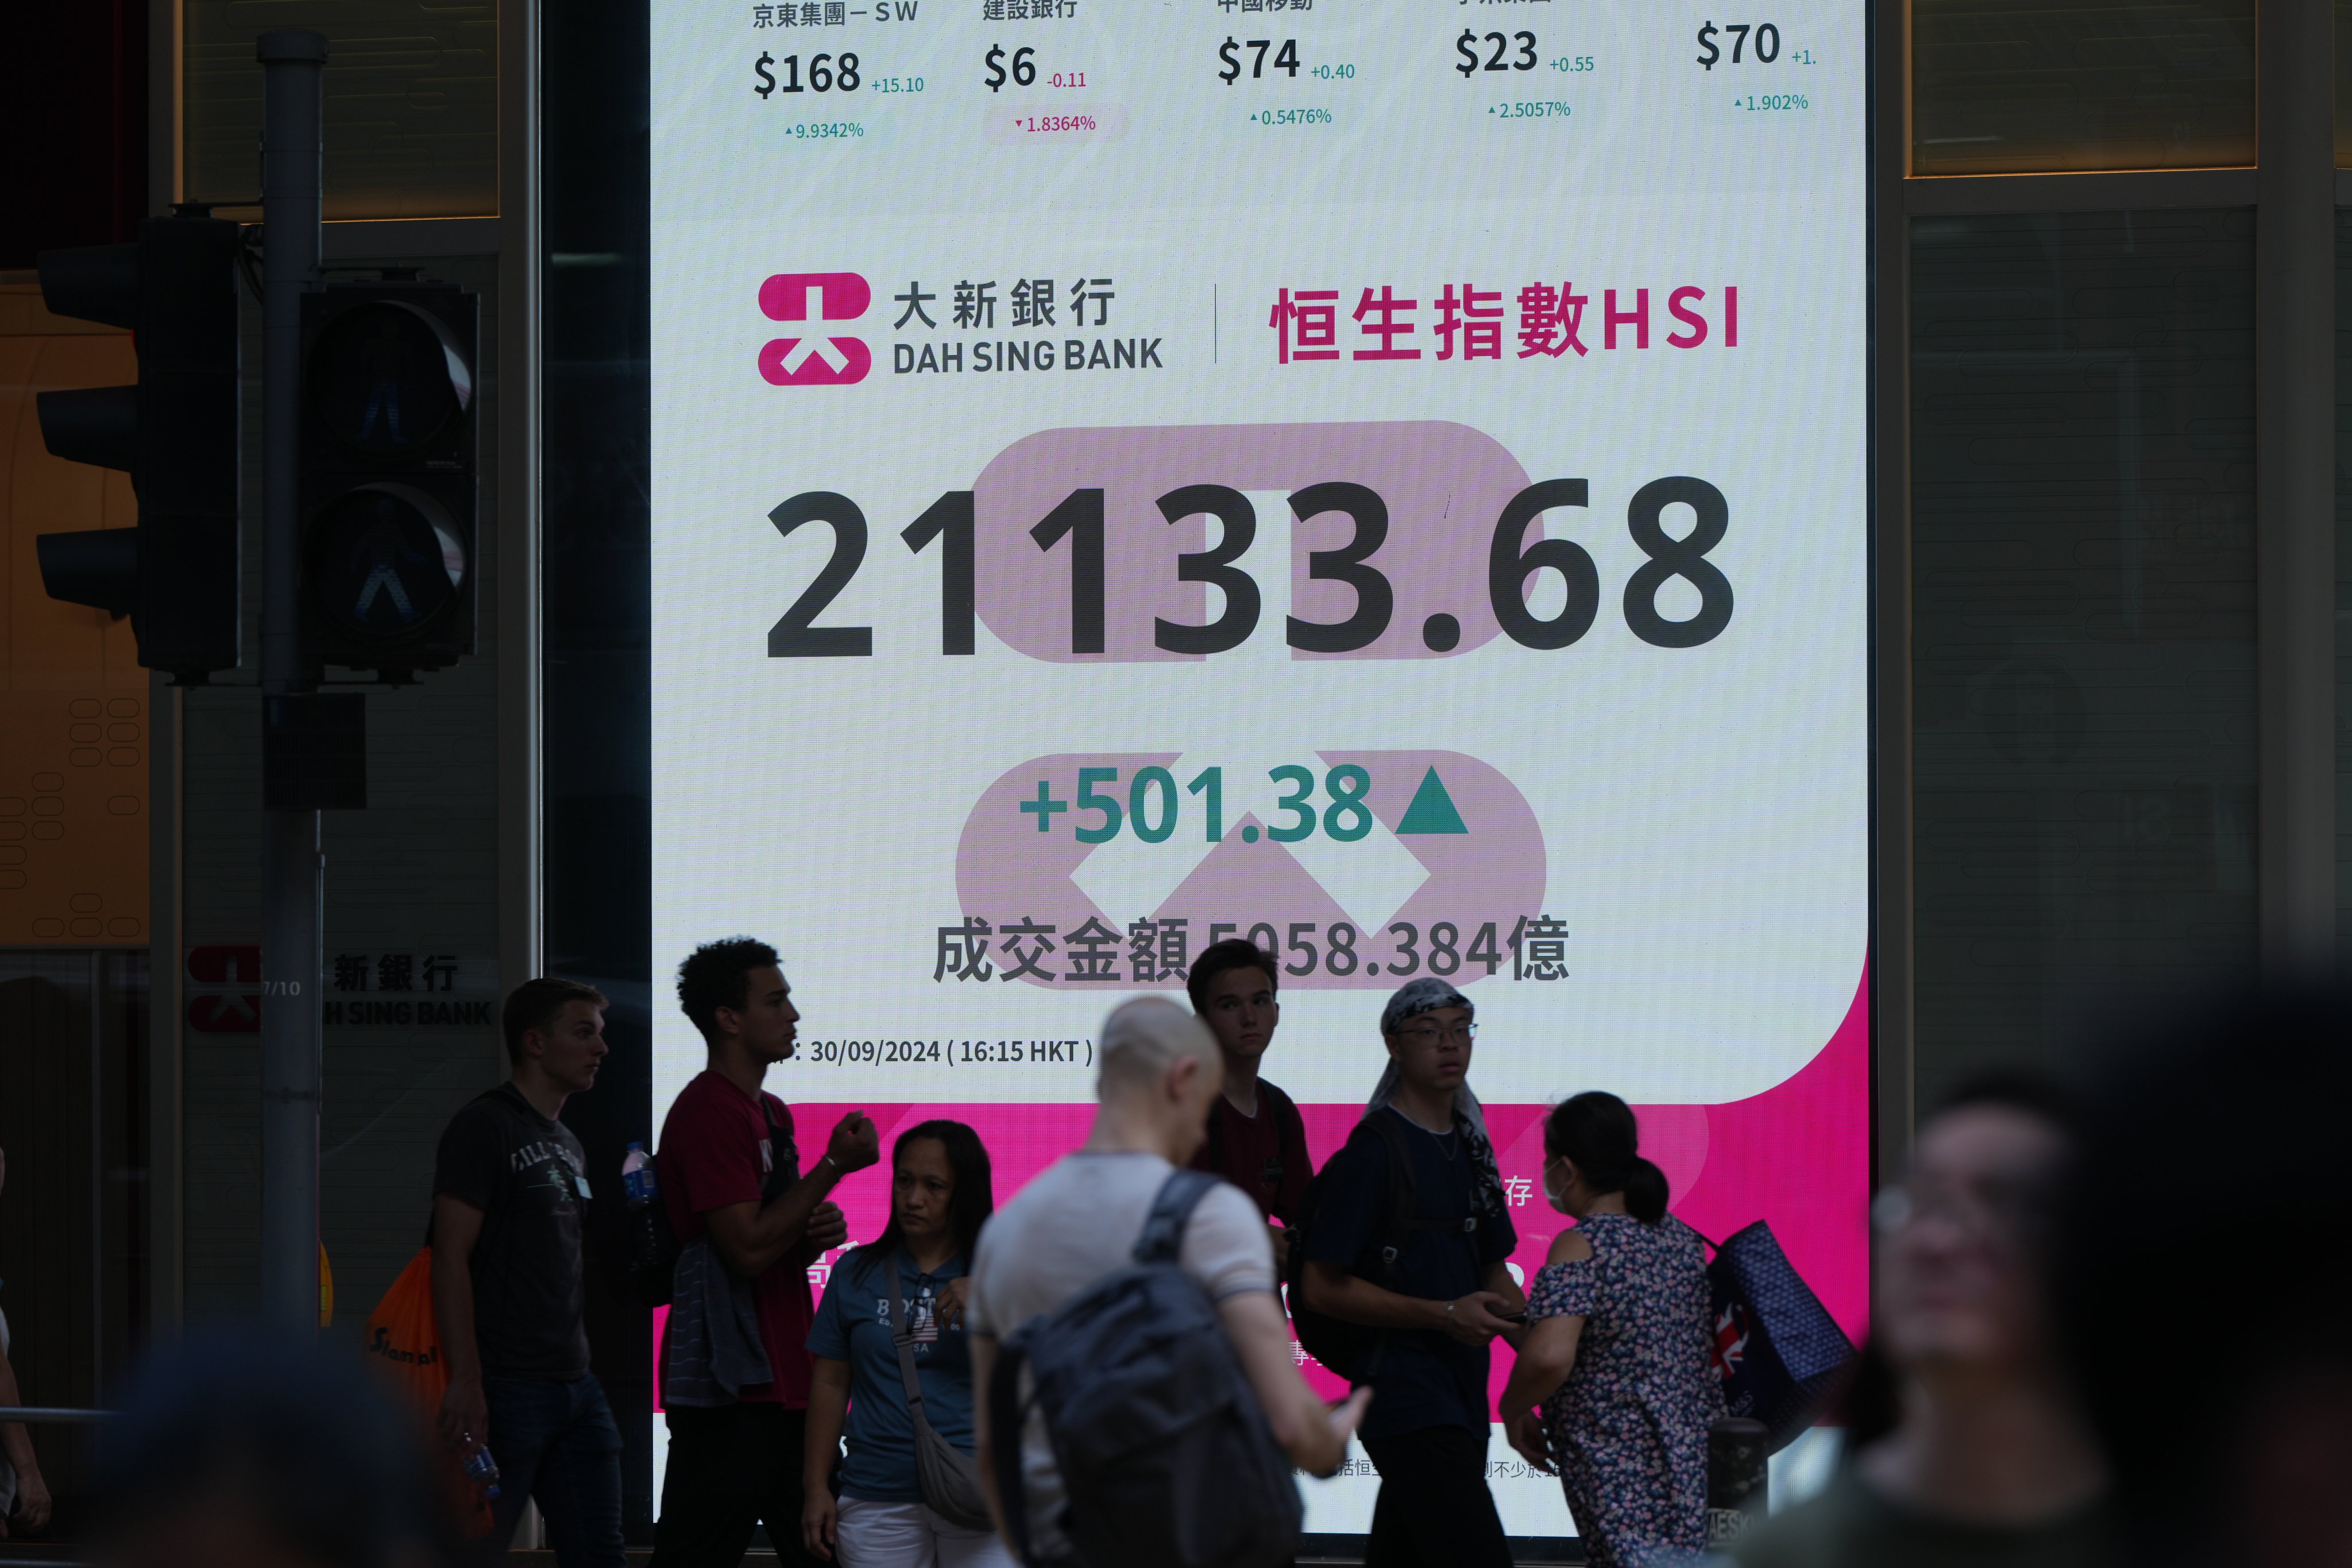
x=404, y=1337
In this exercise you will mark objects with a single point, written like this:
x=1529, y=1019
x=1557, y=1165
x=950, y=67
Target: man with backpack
x=510, y=1184
x=1203, y=1474
x=735, y=1363
x=1256, y=1141
x=1405, y=1236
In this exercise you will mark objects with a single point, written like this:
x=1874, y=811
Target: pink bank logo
x=815, y=361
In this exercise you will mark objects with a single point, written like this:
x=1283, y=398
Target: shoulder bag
x=948, y=1478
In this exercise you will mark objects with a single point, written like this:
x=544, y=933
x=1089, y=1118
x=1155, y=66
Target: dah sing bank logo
x=815, y=361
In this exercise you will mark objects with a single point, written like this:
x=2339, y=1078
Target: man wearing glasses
x=1410, y=1236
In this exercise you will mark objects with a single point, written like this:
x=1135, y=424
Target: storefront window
x=2021, y=86
x=412, y=104
x=2344, y=84
x=2343, y=566
x=2083, y=532
x=595, y=402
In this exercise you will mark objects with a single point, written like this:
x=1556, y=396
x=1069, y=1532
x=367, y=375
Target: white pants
x=909, y=1535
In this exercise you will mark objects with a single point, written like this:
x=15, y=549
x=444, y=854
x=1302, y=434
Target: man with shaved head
x=1079, y=1220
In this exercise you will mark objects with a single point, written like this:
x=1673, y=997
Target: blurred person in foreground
x=247, y=1447
x=2202, y=1284
x=1990, y=1459
x=1612, y=1384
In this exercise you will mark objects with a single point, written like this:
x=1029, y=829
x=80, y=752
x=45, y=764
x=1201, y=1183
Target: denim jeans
x=555, y=1441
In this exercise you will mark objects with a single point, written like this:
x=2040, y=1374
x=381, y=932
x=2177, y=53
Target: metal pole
x=98, y=996
x=293, y=872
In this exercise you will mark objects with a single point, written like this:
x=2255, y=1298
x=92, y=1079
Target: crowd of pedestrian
x=1102, y=1370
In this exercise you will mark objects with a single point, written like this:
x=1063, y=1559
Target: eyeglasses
x=1989, y=1208
x=1428, y=1033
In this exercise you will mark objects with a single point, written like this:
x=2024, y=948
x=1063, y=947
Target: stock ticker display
x=1384, y=478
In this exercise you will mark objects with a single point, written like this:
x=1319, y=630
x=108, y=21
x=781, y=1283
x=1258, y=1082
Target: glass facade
x=2343, y=83
x=412, y=104
x=595, y=399
x=2025, y=86
x=2081, y=618
x=2083, y=632
x=2343, y=567
x=73, y=1119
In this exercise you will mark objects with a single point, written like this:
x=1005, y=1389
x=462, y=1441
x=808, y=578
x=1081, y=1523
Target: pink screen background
x=1797, y=1156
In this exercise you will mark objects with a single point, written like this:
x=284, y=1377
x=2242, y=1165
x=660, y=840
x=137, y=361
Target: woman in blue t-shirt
x=939, y=1196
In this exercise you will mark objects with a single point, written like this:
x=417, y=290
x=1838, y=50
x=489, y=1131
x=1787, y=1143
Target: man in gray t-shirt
x=1079, y=1220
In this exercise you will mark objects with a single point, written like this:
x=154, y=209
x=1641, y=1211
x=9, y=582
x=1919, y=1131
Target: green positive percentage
x=1153, y=805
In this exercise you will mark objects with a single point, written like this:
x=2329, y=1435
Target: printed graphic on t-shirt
x=923, y=1317
x=549, y=1168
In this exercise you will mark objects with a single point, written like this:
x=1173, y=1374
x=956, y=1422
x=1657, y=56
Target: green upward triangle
x=1432, y=810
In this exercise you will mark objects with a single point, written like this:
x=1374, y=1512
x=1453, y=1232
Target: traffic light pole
x=293, y=870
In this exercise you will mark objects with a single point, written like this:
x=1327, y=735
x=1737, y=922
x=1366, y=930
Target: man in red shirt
x=730, y=1170
x=1257, y=1139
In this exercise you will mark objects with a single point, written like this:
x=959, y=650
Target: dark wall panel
x=2082, y=611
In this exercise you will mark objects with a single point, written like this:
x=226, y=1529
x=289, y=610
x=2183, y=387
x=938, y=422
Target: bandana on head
x=1412, y=999
x=1415, y=997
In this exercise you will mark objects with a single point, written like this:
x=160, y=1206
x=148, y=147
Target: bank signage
x=1387, y=479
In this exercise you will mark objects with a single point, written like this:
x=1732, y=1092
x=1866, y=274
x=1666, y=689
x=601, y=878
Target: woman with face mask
x=1612, y=1386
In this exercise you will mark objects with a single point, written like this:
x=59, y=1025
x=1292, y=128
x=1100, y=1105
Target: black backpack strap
x=1217, y=1135
x=1163, y=1228
x=1007, y=1421
x=1401, y=1216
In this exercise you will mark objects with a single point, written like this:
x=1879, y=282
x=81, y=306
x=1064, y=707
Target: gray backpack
x=1166, y=1458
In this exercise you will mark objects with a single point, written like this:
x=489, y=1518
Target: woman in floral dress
x=1613, y=1366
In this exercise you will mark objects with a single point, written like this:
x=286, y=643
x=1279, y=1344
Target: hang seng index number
x=1075, y=529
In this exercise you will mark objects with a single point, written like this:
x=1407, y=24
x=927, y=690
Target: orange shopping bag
x=404, y=1336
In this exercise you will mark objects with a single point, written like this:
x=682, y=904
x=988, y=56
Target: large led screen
x=1383, y=477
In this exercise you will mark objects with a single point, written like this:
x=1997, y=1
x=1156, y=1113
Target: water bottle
x=637, y=1176
x=483, y=1471
x=645, y=1230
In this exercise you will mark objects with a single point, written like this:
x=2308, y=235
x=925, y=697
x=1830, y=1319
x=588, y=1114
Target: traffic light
x=175, y=575
x=390, y=420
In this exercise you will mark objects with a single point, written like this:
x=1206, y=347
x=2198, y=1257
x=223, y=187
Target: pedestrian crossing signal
x=175, y=575
x=390, y=422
